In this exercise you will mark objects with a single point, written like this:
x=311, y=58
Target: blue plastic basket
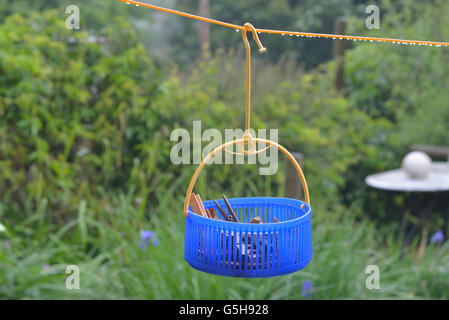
x=251, y=250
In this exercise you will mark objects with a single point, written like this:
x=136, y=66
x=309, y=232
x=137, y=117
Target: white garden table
x=435, y=181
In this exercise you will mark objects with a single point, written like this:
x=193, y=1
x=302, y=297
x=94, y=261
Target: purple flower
x=145, y=236
x=155, y=241
x=438, y=237
x=306, y=288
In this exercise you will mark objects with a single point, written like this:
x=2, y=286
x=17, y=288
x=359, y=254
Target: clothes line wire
x=290, y=33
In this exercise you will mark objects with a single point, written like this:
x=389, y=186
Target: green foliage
x=406, y=85
x=94, y=15
x=402, y=88
x=74, y=112
x=85, y=164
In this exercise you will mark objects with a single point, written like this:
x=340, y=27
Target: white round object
x=417, y=165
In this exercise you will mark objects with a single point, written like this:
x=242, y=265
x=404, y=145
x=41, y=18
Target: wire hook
x=249, y=27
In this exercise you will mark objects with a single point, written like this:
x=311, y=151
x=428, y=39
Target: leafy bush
x=403, y=89
x=74, y=111
x=81, y=116
x=405, y=85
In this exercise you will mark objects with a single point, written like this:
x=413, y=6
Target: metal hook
x=249, y=27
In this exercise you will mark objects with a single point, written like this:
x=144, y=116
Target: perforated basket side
x=251, y=250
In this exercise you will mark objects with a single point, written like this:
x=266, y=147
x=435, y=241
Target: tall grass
x=106, y=248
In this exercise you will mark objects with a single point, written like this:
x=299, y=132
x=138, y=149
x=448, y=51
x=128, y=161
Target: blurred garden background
x=85, y=121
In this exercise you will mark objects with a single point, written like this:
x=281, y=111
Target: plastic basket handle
x=244, y=140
